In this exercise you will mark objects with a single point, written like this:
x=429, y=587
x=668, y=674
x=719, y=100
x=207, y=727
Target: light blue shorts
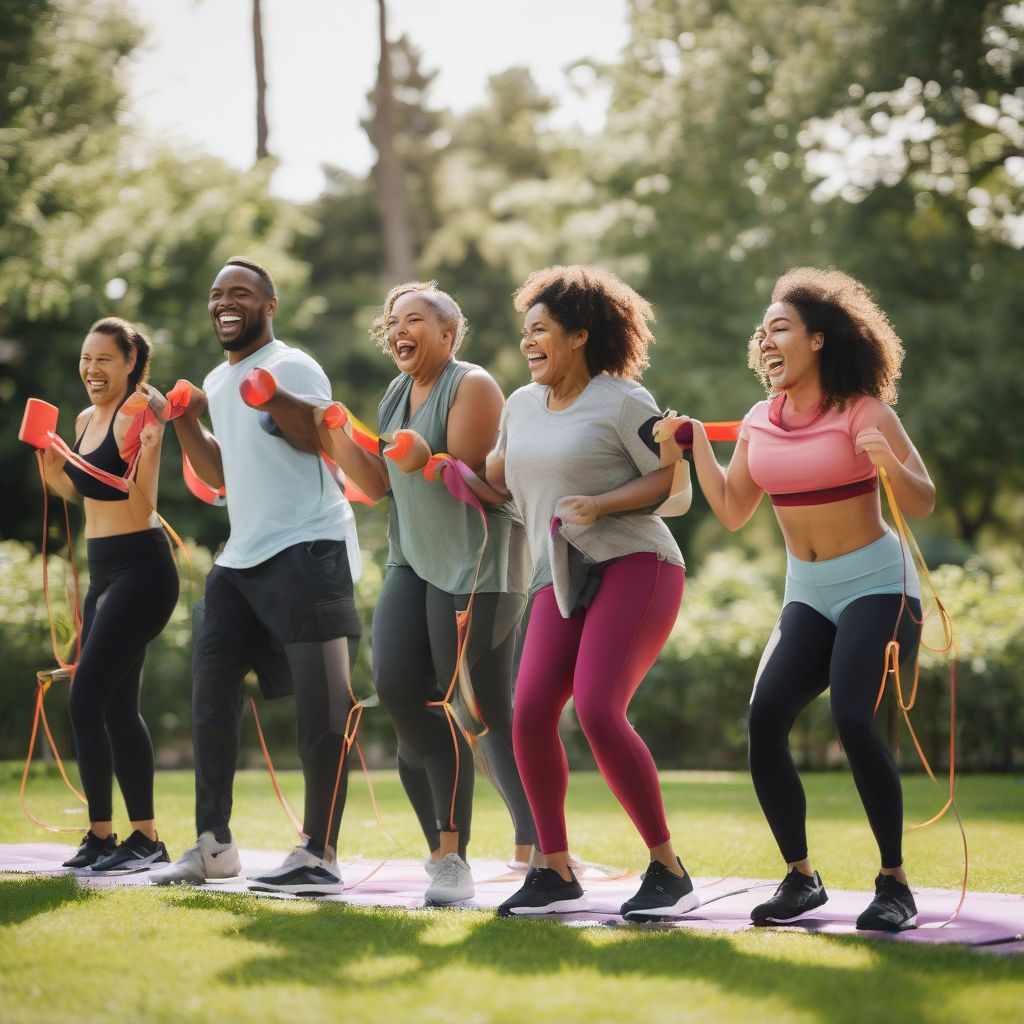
x=882, y=567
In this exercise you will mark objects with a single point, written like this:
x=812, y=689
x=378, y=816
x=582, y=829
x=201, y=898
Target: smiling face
x=241, y=310
x=551, y=352
x=417, y=339
x=789, y=352
x=104, y=369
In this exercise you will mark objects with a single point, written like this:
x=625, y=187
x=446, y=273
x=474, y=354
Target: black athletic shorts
x=303, y=594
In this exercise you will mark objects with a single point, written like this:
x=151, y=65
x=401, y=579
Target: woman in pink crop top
x=830, y=361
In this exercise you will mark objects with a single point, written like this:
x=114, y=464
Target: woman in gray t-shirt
x=577, y=455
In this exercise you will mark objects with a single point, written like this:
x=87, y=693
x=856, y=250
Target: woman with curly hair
x=454, y=407
x=829, y=360
x=577, y=454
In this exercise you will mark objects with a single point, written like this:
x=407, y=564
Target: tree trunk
x=392, y=197
x=261, y=82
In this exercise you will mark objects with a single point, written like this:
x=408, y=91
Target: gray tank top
x=428, y=530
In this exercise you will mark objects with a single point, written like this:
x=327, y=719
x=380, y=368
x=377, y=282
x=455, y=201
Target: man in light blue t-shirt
x=279, y=598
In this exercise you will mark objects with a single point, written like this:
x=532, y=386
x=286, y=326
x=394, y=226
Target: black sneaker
x=545, y=892
x=661, y=894
x=91, y=850
x=796, y=896
x=892, y=910
x=303, y=873
x=137, y=853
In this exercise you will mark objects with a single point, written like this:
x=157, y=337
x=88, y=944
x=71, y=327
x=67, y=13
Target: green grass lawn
x=159, y=955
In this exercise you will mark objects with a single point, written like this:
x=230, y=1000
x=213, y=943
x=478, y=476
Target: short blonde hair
x=446, y=308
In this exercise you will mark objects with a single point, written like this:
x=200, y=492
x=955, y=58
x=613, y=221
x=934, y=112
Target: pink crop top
x=807, y=458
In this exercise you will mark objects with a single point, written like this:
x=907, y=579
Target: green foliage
x=985, y=600
x=25, y=639
x=742, y=138
x=97, y=221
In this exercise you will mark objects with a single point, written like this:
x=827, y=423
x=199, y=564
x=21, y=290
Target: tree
x=389, y=172
x=95, y=221
x=881, y=138
x=261, y=82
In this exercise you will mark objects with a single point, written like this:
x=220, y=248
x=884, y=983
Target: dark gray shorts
x=302, y=594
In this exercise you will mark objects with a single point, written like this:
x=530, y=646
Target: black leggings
x=133, y=588
x=414, y=645
x=806, y=655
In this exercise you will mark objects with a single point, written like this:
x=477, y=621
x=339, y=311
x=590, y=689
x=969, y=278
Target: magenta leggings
x=598, y=657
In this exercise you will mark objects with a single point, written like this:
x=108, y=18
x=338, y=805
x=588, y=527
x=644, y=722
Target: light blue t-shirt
x=277, y=496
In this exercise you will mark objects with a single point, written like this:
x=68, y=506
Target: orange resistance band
x=452, y=473
x=891, y=669
x=43, y=680
x=139, y=420
x=66, y=669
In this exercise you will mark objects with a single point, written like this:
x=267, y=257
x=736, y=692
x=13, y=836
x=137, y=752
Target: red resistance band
x=39, y=429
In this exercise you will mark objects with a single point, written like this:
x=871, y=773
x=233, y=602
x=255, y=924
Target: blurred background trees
x=742, y=138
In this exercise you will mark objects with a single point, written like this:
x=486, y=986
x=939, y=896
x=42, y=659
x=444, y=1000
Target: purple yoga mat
x=990, y=921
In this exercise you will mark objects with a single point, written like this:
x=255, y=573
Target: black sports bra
x=106, y=457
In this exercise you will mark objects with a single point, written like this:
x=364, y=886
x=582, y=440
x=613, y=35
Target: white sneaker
x=453, y=883
x=303, y=874
x=519, y=866
x=200, y=863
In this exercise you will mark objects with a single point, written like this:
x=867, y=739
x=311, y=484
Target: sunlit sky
x=193, y=80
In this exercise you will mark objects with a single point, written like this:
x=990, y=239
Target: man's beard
x=245, y=337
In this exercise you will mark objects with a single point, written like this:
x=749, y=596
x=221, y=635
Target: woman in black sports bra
x=133, y=588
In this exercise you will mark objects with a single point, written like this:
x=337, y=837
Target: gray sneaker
x=200, y=863
x=430, y=866
x=303, y=874
x=453, y=883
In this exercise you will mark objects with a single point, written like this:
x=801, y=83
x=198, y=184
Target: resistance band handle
x=399, y=447
x=725, y=430
x=335, y=416
x=684, y=435
x=178, y=399
x=432, y=470
x=39, y=424
x=257, y=387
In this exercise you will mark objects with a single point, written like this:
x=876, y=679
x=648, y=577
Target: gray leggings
x=414, y=645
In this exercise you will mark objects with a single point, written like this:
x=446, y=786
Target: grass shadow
x=822, y=980
x=23, y=898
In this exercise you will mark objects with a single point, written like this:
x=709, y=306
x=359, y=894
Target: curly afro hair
x=446, y=308
x=862, y=354
x=614, y=316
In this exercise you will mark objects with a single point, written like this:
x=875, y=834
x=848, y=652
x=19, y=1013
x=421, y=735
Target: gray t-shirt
x=593, y=446
x=277, y=496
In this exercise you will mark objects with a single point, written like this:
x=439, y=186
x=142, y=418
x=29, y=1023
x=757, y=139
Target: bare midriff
x=113, y=518
x=814, y=533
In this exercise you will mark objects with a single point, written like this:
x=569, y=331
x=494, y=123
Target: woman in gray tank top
x=433, y=542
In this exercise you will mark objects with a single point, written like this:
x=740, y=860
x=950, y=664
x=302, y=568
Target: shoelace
x=447, y=873
x=793, y=884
